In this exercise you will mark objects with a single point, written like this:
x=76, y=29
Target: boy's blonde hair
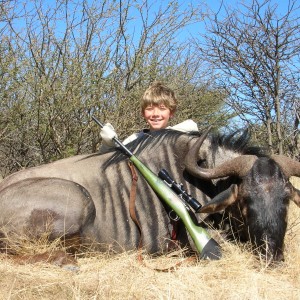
x=157, y=94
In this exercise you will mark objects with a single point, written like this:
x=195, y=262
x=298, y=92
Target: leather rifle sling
x=132, y=210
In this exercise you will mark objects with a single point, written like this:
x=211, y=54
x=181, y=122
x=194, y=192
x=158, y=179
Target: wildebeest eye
x=246, y=200
x=287, y=195
x=288, y=190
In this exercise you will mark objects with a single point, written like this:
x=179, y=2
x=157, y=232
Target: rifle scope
x=179, y=190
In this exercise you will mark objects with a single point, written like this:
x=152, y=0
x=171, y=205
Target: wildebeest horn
x=238, y=166
x=289, y=166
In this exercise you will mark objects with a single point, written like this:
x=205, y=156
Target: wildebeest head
x=261, y=194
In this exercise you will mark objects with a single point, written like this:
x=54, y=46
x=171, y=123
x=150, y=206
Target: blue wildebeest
x=88, y=195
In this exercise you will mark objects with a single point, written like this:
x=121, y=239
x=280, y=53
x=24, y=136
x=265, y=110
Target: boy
x=158, y=106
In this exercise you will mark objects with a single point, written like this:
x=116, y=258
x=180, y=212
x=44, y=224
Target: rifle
x=207, y=247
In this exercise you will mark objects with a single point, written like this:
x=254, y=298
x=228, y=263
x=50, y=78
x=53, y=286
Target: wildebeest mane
x=237, y=141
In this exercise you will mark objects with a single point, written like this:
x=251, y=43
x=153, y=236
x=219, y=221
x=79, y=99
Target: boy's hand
x=108, y=133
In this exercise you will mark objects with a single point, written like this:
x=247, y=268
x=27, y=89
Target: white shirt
x=185, y=126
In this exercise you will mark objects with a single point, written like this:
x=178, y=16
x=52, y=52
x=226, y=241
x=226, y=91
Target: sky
x=213, y=5
x=217, y=6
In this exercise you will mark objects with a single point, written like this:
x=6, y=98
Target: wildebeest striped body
x=89, y=194
x=108, y=184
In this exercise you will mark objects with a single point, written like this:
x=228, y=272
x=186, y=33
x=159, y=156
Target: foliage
x=60, y=63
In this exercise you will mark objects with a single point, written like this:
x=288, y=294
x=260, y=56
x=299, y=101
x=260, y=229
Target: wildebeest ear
x=221, y=201
x=296, y=197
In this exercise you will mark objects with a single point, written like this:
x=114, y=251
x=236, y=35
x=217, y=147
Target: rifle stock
x=207, y=247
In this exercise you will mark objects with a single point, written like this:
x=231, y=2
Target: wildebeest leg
x=34, y=207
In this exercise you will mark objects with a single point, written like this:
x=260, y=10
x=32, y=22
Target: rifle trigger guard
x=173, y=216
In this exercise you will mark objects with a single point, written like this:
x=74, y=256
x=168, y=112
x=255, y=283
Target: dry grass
x=238, y=275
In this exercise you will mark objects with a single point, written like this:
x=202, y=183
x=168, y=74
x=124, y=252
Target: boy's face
x=157, y=116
